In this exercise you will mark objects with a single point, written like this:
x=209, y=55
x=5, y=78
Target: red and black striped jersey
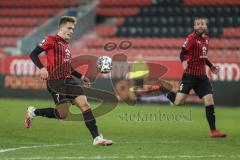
x=197, y=49
x=58, y=57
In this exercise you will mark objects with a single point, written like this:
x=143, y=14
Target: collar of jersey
x=61, y=38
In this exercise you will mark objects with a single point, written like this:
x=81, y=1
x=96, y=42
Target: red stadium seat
x=22, y=21
x=212, y=2
x=8, y=41
x=229, y=32
x=149, y=43
x=119, y=20
x=105, y=30
x=158, y=28
x=12, y=31
x=19, y=17
x=238, y=32
x=121, y=3
x=29, y=12
x=37, y=3
x=117, y=11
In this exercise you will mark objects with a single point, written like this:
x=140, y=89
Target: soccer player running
x=59, y=68
x=194, y=59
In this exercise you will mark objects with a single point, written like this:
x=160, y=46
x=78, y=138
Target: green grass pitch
x=186, y=136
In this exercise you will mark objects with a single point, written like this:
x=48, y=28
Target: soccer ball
x=104, y=64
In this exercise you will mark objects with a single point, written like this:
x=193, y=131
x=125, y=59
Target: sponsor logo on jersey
x=67, y=55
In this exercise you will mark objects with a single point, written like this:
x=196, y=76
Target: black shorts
x=200, y=85
x=63, y=90
x=138, y=82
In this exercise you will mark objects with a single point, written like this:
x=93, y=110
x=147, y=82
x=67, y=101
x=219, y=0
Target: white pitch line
x=73, y=144
x=36, y=146
x=4, y=150
x=129, y=157
x=147, y=142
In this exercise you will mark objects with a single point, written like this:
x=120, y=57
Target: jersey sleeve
x=47, y=43
x=187, y=45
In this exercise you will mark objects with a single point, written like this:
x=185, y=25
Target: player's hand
x=215, y=69
x=184, y=64
x=44, y=73
x=86, y=82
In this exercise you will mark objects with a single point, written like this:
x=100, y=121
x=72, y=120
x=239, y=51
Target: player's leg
x=179, y=97
x=209, y=108
x=138, y=84
x=60, y=112
x=204, y=91
x=211, y=117
x=90, y=121
x=62, y=105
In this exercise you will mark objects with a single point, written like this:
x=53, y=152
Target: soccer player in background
x=194, y=59
x=59, y=68
x=138, y=75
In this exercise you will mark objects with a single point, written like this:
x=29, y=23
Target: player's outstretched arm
x=34, y=57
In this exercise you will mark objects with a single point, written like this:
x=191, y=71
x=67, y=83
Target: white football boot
x=29, y=116
x=100, y=141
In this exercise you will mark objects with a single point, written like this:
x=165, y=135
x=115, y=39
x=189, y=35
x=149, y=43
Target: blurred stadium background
x=156, y=29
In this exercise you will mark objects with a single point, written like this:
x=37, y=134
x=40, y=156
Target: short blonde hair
x=65, y=19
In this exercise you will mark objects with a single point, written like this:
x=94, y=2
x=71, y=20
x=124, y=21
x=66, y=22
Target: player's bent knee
x=84, y=106
x=180, y=99
x=62, y=116
x=208, y=104
x=178, y=103
x=208, y=100
x=81, y=101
